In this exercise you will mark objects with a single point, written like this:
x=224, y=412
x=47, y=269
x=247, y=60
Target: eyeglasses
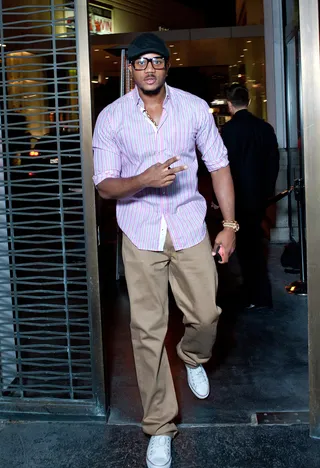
x=158, y=63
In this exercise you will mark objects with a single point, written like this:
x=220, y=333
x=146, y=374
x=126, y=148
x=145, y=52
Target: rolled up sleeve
x=209, y=141
x=106, y=153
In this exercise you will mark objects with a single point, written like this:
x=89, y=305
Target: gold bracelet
x=231, y=224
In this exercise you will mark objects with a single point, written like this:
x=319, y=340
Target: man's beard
x=152, y=92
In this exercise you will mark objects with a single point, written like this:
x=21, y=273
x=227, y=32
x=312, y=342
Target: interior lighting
x=265, y=100
x=171, y=45
x=107, y=56
x=178, y=59
x=242, y=56
x=180, y=64
x=95, y=81
x=245, y=50
x=211, y=110
x=175, y=53
x=239, y=76
x=115, y=63
x=239, y=61
x=249, y=42
x=3, y=45
x=96, y=50
x=107, y=78
x=34, y=153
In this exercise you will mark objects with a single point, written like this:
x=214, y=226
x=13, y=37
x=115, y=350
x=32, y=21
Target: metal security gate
x=50, y=330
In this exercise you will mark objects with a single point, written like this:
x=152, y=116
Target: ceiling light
x=239, y=61
x=249, y=42
x=178, y=59
x=107, y=56
x=245, y=50
x=3, y=45
x=241, y=55
x=180, y=64
x=96, y=50
x=265, y=100
x=171, y=45
x=239, y=76
x=106, y=77
x=94, y=81
x=115, y=63
x=175, y=53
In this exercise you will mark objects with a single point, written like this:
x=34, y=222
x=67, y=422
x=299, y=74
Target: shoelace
x=158, y=442
x=198, y=375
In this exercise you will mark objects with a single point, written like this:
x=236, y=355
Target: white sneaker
x=198, y=382
x=159, y=452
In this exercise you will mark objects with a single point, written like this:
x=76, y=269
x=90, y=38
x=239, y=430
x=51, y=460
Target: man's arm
x=120, y=187
x=272, y=163
x=157, y=176
x=108, y=167
x=223, y=187
x=214, y=155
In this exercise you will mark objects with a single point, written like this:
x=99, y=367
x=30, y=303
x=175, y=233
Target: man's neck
x=237, y=109
x=153, y=100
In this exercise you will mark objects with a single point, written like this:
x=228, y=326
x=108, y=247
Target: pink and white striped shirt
x=126, y=143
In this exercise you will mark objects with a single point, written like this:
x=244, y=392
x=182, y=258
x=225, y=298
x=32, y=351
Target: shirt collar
x=138, y=100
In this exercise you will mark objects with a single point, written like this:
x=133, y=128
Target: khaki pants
x=193, y=279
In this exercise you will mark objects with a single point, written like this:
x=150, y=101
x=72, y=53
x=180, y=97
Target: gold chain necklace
x=150, y=118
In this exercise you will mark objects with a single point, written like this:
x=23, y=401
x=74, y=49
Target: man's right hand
x=161, y=175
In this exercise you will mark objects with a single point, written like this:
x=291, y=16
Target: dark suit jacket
x=254, y=160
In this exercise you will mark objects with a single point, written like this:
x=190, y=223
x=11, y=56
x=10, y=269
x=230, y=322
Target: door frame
x=310, y=98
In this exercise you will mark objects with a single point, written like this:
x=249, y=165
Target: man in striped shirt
x=145, y=157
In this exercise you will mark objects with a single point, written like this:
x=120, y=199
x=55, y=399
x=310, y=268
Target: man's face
x=149, y=81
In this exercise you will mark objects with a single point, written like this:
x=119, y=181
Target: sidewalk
x=64, y=445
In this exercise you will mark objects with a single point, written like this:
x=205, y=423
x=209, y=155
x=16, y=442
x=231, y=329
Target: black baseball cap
x=147, y=43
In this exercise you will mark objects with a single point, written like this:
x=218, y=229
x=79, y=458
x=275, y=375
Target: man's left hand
x=227, y=239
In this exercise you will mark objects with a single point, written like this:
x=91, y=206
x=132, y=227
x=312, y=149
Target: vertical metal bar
x=310, y=72
x=83, y=54
x=11, y=224
x=59, y=155
x=122, y=92
x=123, y=72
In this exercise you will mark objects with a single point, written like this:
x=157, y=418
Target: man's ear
x=168, y=66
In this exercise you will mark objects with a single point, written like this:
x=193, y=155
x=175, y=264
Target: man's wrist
x=231, y=224
x=141, y=181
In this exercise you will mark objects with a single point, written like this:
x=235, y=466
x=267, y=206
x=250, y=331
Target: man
x=254, y=162
x=145, y=156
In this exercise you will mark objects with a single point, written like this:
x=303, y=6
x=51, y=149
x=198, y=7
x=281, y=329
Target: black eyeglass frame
x=149, y=60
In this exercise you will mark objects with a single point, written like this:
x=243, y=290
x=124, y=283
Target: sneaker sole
x=201, y=397
x=152, y=465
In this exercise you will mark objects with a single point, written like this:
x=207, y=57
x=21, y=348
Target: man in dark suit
x=254, y=162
